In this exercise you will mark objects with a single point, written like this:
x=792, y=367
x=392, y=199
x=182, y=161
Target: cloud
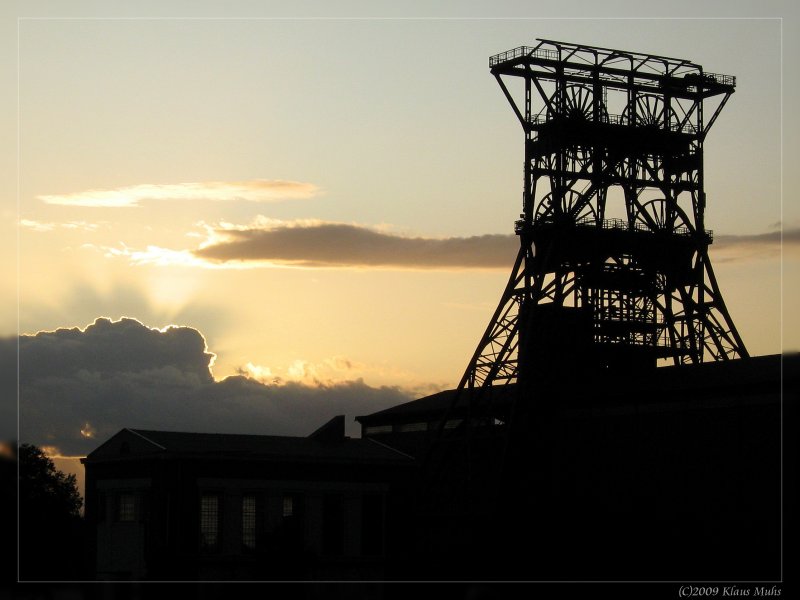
x=729, y=248
x=108, y=346
x=155, y=255
x=325, y=244
x=333, y=371
x=312, y=243
x=256, y=190
x=329, y=371
x=41, y=227
x=80, y=386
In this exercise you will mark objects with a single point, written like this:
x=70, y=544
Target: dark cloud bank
x=761, y=245
x=122, y=374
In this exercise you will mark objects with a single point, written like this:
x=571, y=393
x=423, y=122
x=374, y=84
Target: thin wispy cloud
x=729, y=248
x=154, y=255
x=256, y=190
x=158, y=256
x=42, y=227
x=329, y=244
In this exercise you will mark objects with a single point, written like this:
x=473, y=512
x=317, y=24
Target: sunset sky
x=328, y=200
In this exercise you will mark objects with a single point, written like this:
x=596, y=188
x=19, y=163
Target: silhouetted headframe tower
x=613, y=268
x=612, y=274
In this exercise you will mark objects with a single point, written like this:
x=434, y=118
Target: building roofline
x=746, y=371
x=133, y=431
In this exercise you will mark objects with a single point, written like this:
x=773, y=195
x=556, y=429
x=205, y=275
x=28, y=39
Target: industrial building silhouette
x=675, y=475
x=610, y=425
x=187, y=506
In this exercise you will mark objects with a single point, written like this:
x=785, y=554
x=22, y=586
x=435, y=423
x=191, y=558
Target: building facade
x=679, y=474
x=190, y=506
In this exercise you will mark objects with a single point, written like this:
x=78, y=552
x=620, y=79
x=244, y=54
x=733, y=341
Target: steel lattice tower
x=612, y=274
x=613, y=266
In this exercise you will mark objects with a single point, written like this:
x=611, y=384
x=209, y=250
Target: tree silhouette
x=8, y=514
x=41, y=484
x=51, y=530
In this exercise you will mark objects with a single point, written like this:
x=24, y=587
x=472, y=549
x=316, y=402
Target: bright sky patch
x=257, y=190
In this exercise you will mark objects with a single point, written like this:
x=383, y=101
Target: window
x=372, y=525
x=126, y=507
x=376, y=429
x=288, y=506
x=209, y=522
x=101, y=506
x=332, y=525
x=249, y=521
x=408, y=427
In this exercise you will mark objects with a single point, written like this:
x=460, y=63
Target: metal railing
x=621, y=225
x=548, y=54
x=542, y=118
x=721, y=79
x=625, y=225
x=522, y=51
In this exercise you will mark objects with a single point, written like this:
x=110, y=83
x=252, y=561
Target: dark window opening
x=332, y=525
x=126, y=507
x=210, y=522
x=290, y=532
x=288, y=506
x=249, y=511
x=372, y=525
x=377, y=429
x=100, y=505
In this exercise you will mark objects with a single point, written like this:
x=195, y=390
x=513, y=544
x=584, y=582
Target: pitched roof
x=226, y=445
x=660, y=384
x=435, y=404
